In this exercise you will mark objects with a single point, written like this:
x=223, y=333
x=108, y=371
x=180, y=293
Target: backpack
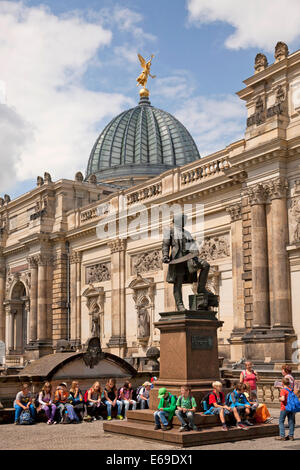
x=138, y=390
x=66, y=418
x=26, y=418
x=205, y=401
x=85, y=398
x=293, y=403
x=230, y=399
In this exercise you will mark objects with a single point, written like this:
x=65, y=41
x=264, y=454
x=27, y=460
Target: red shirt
x=214, y=398
x=284, y=393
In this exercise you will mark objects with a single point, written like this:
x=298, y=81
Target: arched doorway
x=17, y=309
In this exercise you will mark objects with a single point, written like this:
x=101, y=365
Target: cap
x=162, y=392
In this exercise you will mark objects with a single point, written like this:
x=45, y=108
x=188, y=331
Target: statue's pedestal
x=188, y=352
x=188, y=356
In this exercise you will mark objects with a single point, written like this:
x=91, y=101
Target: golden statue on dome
x=143, y=77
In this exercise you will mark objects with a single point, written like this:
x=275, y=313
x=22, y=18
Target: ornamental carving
x=261, y=62
x=98, y=273
x=215, y=247
x=281, y=51
x=75, y=257
x=294, y=216
x=119, y=244
x=235, y=211
x=257, y=194
x=277, y=188
x=145, y=262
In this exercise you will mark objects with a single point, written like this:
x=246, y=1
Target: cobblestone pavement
x=90, y=436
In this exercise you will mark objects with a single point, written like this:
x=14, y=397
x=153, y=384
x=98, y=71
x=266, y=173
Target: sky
x=69, y=66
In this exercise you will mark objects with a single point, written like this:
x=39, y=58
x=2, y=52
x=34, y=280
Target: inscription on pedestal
x=202, y=342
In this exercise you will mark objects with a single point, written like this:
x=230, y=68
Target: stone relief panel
x=294, y=219
x=145, y=262
x=99, y=272
x=215, y=247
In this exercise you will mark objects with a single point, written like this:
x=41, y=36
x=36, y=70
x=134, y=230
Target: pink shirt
x=250, y=378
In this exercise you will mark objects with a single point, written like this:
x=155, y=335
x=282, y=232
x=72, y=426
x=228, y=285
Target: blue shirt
x=239, y=399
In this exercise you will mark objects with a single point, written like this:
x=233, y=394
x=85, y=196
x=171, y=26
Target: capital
x=235, y=211
x=119, y=244
x=277, y=188
x=257, y=194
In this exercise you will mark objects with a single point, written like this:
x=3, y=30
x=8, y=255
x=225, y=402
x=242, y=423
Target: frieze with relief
x=145, y=262
x=99, y=272
x=215, y=247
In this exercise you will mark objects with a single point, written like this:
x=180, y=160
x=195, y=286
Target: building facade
x=61, y=280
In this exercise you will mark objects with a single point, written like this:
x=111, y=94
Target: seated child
x=259, y=411
x=240, y=405
x=166, y=410
x=217, y=406
x=46, y=402
x=22, y=402
x=186, y=407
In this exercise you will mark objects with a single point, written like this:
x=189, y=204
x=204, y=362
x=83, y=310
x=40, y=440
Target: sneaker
x=224, y=427
x=156, y=427
x=94, y=418
x=120, y=417
x=108, y=418
x=183, y=428
x=291, y=438
x=167, y=428
x=279, y=438
x=269, y=420
x=16, y=422
x=242, y=426
x=49, y=421
x=248, y=423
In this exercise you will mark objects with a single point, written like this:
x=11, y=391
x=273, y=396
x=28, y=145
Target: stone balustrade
x=145, y=193
x=89, y=214
x=205, y=170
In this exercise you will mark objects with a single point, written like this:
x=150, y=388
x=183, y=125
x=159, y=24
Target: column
x=11, y=333
x=42, y=298
x=2, y=298
x=118, y=318
x=49, y=297
x=73, y=295
x=235, y=212
x=78, y=297
x=260, y=281
x=32, y=261
x=281, y=312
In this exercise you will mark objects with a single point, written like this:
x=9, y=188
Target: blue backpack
x=293, y=403
x=26, y=418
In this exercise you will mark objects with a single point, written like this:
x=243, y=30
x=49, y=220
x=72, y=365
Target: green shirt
x=168, y=405
x=187, y=403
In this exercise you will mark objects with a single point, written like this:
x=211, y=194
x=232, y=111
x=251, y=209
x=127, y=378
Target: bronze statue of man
x=177, y=243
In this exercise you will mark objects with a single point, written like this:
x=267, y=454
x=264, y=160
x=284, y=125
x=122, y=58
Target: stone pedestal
x=188, y=352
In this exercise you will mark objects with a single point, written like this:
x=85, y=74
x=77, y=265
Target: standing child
x=284, y=392
x=166, y=410
x=186, y=407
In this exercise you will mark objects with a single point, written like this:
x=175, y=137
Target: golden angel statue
x=143, y=77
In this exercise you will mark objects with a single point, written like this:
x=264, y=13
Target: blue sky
x=71, y=66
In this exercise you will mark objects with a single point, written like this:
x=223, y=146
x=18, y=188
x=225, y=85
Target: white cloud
x=15, y=134
x=257, y=23
x=45, y=59
x=214, y=121
x=177, y=86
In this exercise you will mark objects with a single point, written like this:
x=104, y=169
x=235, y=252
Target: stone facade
x=60, y=280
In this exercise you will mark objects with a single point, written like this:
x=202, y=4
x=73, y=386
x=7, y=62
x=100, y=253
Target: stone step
x=147, y=417
x=209, y=435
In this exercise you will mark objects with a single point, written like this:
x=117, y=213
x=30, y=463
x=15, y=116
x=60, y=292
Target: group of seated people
x=73, y=406
x=240, y=404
